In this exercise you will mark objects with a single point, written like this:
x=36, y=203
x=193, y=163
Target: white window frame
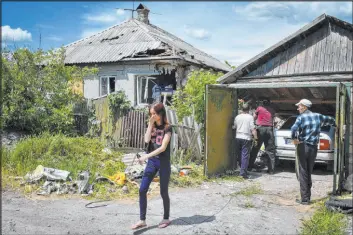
x=139, y=93
x=108, y=84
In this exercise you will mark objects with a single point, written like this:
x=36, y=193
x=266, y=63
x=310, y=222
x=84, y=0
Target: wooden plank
x=276, y=64
x=349, y=60
x=343, y=50
x=335, y=50
x=343, y=53
x=292, y=59
x=136, y=131
x=308, y=60
x=325, y=32
x=299, y=64
x=199, y=142
x=269, y=67
x=328, y=47
x=284, y=62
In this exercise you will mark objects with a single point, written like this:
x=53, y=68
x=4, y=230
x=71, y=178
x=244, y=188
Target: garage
x=313, y=63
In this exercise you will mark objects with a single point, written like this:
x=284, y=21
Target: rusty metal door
x=221, y=108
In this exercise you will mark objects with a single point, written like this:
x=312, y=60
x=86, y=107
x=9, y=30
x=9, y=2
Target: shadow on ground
x=192, y=220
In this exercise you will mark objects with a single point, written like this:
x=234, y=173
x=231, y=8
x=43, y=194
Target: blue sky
x=233, y=31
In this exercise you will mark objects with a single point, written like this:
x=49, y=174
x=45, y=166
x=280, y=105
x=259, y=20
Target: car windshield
x=290, y=121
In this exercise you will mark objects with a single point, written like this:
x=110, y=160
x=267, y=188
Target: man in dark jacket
x=264, y=115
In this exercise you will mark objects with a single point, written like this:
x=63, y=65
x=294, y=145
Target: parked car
x=285, y=149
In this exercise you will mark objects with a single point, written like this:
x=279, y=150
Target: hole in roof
x=122, y=34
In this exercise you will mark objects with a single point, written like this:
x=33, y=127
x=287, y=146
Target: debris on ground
x=342, y=205
x=119, y=178
x=50, y=174
x=107, y=151
x=82, y=182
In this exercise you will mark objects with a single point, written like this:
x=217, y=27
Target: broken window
x=107, y=85
x=146, y=89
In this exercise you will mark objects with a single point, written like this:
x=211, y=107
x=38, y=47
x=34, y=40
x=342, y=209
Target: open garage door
x=221, y=106
x=328, y=98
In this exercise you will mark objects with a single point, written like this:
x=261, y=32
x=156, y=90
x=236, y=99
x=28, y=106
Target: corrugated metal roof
x=131, y=37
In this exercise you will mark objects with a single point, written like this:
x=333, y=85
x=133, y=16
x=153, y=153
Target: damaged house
x=140, y=58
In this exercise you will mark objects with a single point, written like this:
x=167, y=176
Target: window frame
x=107, y=84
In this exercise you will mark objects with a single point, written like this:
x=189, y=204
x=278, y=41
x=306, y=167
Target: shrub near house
x=37, y=91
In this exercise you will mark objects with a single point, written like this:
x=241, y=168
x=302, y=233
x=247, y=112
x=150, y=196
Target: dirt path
x=207, y=209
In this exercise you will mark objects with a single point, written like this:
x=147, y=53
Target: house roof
x=268, y=54
x=133, y=40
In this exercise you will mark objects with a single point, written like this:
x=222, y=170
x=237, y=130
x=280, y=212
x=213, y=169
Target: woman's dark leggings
x=153, y=165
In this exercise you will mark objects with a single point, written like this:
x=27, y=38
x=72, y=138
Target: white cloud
x=54, y=38
x=120, y=12
x=103, y=18
x=292, y=11
x=198, y=33
x=17, y=35
x=237, y=50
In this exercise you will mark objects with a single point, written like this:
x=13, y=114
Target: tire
x=329, y=166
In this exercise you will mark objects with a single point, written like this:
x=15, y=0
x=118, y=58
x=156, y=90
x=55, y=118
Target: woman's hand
x=152, y=119
x=142, y=159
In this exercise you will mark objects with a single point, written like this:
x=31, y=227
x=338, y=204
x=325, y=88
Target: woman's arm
x=148, y=133
x=165, y=142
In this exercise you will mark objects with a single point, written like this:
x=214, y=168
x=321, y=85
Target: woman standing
x=158, y=138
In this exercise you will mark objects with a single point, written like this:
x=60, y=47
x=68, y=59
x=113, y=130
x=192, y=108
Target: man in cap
x=308, y=124
x=264, y=115
x=244, y=125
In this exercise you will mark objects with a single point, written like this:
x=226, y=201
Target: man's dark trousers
x=243, y=153
x=306, y=157
x=265, y=135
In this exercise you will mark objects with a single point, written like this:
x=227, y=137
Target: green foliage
x=232, y=66
x=191, y=99
x=118, y=102
x=73, y=154
x=324, y=222
x=194, y=178
x=249, y=191
x=37, y=91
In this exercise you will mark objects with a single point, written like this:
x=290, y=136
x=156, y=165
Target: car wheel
x=329, y=166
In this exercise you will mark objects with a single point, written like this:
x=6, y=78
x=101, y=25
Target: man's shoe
x=245, y=177
x=302, y=202
x=271, y=172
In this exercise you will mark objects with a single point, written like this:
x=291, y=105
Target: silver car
x=285, y=149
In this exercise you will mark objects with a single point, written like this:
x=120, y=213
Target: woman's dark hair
x=160, y=110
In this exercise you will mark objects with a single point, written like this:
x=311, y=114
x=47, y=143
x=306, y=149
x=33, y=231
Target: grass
x=73, y=154
x=194, y=178
x=248, y=204
x=323, y=222
x=249, y=191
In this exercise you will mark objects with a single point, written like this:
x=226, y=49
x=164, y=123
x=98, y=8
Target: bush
x=191, y=99
x=38, y=91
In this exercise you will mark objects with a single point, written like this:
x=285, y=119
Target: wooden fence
x=127, y=130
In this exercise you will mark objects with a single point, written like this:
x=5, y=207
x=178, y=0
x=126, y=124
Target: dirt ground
x=207, y=209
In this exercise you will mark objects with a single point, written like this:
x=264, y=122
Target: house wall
x=125, y=77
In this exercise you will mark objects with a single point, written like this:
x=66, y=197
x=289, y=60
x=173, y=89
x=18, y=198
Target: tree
x=37, y=91
x=232, y=66
x=190, y=99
